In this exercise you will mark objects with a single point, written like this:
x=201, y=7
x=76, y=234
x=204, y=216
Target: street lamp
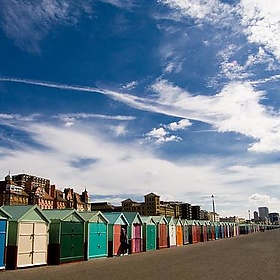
x=213, y=204
x=249, y=213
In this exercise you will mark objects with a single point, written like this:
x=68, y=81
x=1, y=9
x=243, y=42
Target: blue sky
x=180, y=98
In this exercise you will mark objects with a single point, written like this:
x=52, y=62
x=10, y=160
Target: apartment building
x=11, y=193
x=152, y=206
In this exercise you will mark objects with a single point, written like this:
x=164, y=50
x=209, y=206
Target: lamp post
x=249, y=214
x=213, y=204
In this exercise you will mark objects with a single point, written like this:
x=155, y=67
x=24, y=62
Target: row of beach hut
x=30, y=236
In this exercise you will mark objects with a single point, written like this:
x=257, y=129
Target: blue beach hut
x=217, y=230
x=4, y=216
x=96, y=229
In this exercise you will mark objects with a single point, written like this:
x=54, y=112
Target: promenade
x=253, y=256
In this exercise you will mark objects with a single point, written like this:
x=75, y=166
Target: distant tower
x=8, y=178
x=256, y=216
x=85, y=196
x=152, y=204
x=263, y=214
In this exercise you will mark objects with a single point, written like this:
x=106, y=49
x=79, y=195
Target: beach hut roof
x=133, y=217
x=147, y=220
x=114, y=217
x=170, y=220
x=191, y=222
x=178, y=222
x=93, y=216
x=62, y=214
x=20, y=212
x=159, y=219
x=4, y=214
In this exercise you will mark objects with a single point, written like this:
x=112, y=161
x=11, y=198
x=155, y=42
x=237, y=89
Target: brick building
x=23, y=189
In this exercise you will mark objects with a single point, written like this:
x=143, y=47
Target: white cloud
x=261, y=57
x=211, y=11
x=189, y=180
x=260, y=20
x=257, y=20
x=182, y=124
x=260, y=200
x=118, y=130
x=161, y=135
x=130, y=85
x=194, y=8
x=236, y=108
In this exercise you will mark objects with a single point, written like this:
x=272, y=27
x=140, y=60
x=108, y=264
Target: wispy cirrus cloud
x=236, y=108
x=70, y=119
x=27, y=22
x=121, y=3
x=257, y=20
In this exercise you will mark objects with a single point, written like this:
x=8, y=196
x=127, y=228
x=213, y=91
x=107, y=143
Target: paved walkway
x=254, y=256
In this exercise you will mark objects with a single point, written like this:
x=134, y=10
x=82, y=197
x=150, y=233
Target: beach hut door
x=32, y=245
x=137, y=237
x=2, y=242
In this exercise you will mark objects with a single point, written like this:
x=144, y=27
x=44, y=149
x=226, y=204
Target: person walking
x=124, y=242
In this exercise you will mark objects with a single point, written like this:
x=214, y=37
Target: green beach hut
x=67, y=236
x=149, y=233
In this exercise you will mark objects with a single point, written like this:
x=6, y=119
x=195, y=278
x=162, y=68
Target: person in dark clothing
x=124, y=242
